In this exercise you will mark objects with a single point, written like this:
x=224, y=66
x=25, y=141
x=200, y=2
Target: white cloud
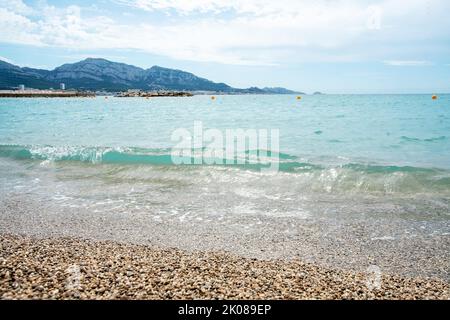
x=17, y=6
x=210, y=6
x=17, y=28
x=408, y=63
x=252, y=32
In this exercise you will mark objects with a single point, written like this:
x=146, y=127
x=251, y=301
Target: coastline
x=345, y=244
x=73, y=268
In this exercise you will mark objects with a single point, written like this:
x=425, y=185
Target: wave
x=162, y=156
x=134, y=155
x=338, y=177
x=413, y=139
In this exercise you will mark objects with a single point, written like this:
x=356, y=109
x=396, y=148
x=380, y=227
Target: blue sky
x=334, y=46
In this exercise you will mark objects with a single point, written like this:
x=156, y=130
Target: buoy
x=434, y=97
x=213, y=98
x=299, y=97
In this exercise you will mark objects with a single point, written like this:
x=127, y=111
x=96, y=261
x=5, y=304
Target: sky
x=333, y=46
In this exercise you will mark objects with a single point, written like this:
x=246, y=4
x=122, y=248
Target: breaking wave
x=338, y=177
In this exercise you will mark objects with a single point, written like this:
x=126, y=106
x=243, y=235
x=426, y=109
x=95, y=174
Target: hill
x=102, y=74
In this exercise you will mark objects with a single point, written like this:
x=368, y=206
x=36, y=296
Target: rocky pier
x=151, y=94
x=45, y=94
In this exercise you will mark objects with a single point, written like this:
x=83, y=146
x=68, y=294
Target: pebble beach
x=71, y=268
x=92, y=205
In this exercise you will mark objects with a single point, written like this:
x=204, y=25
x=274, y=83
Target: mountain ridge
x=101, y=74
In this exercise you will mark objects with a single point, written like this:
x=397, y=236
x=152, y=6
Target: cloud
x=408, y=63
x=256, y=8
x=251, y=32
x=17, y=6
x=17, y=28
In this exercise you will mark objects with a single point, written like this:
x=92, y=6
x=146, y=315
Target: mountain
x=279, y=90
x=12, y=76
x=101, y=74
x=97, y=74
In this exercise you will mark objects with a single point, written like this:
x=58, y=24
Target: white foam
x=384, y=238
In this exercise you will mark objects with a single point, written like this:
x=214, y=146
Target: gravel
x=73, y=268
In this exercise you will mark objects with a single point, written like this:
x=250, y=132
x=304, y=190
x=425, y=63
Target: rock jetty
x=44, y=94
x=151, y=94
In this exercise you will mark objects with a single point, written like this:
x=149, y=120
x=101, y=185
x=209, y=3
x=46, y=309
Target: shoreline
x=346, y=243
x=74, y=268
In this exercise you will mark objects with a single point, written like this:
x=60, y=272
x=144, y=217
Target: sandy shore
x=69, y=268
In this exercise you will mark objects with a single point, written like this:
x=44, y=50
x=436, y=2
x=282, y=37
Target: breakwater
x=44, y=94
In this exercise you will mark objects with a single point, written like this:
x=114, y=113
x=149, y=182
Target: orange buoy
x=434, y=97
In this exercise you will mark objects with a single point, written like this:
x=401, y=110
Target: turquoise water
x=397, y=130
x=392, y=148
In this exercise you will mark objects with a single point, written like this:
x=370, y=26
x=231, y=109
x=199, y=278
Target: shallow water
x=331, y=145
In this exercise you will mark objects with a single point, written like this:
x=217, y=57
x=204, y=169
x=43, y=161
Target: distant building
x=62, y=86
x=21, y=87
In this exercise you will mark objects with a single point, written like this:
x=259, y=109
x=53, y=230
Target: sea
x=353, y=158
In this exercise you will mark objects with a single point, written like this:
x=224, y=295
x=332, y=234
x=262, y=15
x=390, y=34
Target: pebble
x=34, y=268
